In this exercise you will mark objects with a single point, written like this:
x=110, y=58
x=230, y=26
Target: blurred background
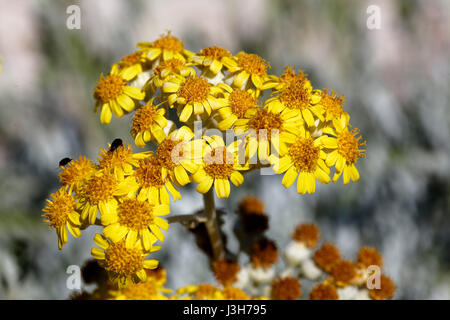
x=396, y=81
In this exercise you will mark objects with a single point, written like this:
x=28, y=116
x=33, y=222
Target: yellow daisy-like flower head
x=77, y=172
x=305, y=159
x=288, y=77
x=247, y=66
x=265, y=128
x=134, y=63
x=148, y=124
x=114, y=96
x=149, y=290
x=123, y=263
x=133, y=219
x=333, y=106
x=153, y=185
x=61, y=214
x=202, y=291
x=120, y=160
x=193, y=96
x=175, y=156
x=234, y=105
x=167, y=69
x=211, y=58
x=99, y=193
x=219, y=167
x=346, y=152
x=300, y=97
x=166, y=47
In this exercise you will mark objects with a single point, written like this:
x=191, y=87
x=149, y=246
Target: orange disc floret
x=264, y=253
x=343, y=272
x=386, y=291
x=324, y=292
x=369, y=256
x=308, y=233
x=287, y=288
x=327, y=256
x=251, y=205
x=226, y=271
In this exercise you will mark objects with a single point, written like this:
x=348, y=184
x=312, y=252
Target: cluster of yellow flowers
x=299, y=131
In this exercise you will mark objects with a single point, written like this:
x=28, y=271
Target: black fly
x=115, y=144
x=64, y=161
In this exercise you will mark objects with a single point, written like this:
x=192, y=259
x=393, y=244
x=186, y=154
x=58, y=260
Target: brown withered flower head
x=369, y=256
x=324, y=292
x=327, y=256
x=287, y=288
x=308, y=233
x=264, y=253
x=253, y=218
x=225, y=271
x=343, y=272
x=386, y=291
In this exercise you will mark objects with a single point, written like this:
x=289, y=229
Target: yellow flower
x=152, y=185
x=261, y=126
x=60, y=213
x=332, y=104
x=305, y=159
x=211, y=58
x=202, y=291
x=133, y=219
x=167, y=69
x=99, y=193
x=167, y=47
x=121, y=160
x=219, y=167
x=193, y=95
x=175, y=155
x=247, y=66
x=288, y=77
x=113, y=95
x=133, y=63
x=148, y=123
x=77, y=172
x=234, y=105
x=148, y=290
x=300, y=97
x=123, y=263
x=346, y=152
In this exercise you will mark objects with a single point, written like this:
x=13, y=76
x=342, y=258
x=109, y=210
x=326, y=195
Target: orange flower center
x=144, y=118
x=172, y=65
x=215, y=53
x=265, y=120
x=169, y=42
x=240, y=101
x=297, y=95
x=219, y=163
x=304, y=154
x=100, y=188
x=286, y=288
x=194, y=89
x=132, y=58
x=149, y=173
x=332, y=104
x=167, y=156
x=253, y=64
x=116, y=158
x=109, y=87
x=135, y=214
x=122, y=260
